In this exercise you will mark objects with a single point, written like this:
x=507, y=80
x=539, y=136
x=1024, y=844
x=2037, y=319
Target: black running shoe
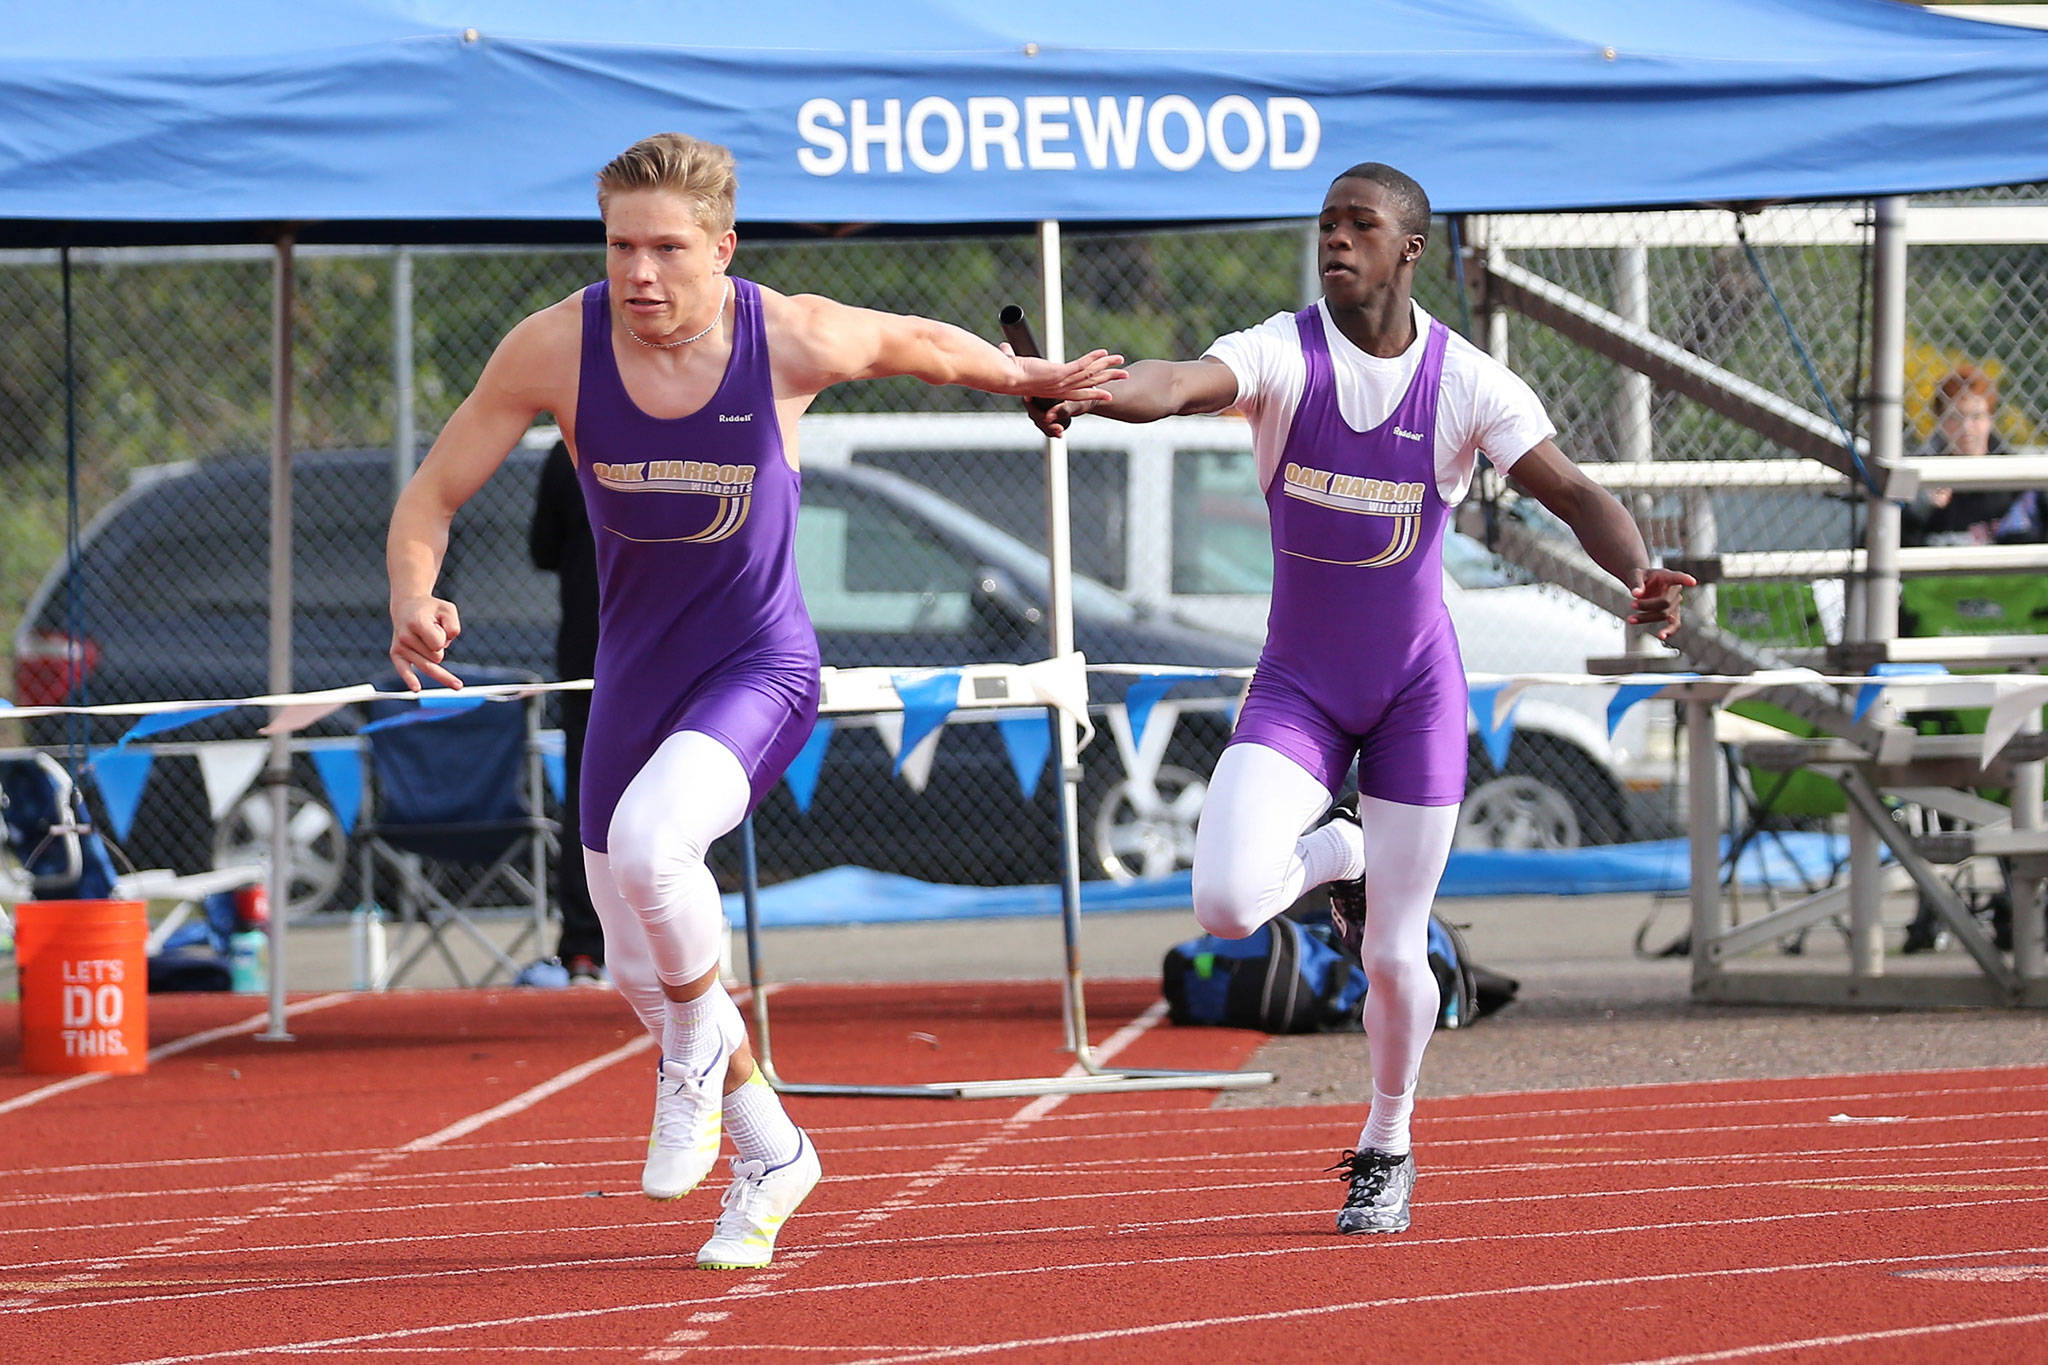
x=1347, y=898
x=1381, y=1184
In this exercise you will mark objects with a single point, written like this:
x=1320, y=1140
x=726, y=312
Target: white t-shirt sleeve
x=1270, y=377
x=1501, y=415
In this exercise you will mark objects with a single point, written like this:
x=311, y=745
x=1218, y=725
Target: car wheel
x=1149, y=831
x=1551, y=795
x=319, y=846
x=1517, y=812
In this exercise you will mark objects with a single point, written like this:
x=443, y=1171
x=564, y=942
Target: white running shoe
x=688, y=1122
x=757, y=1201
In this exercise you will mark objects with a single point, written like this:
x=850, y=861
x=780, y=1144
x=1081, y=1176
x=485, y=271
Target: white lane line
x=1948, y=1073
x=1609, y=1144
x=1849, y=1339
x=1185, y=1122
x=1206, y=1119
x=1322, y=1310
x=1115, y=1224
x=638, y=1043
x=407, y=1210
x=364, y=1339
x=172, y=1049
x=1111, y=1047
x=1720, y=1106
x=1931, y=1152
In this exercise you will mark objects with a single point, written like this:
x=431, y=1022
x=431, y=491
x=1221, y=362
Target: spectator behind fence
x=1965, y=423
x=560, y=543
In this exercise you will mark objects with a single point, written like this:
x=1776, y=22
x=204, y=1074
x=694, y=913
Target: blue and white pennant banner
x=920, y=715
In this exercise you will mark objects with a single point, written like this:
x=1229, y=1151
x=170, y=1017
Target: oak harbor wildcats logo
x=1358, y=496
x=731, y=485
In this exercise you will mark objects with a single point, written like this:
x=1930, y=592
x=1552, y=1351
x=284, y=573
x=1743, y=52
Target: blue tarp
x=855, y=895
x=369, y=118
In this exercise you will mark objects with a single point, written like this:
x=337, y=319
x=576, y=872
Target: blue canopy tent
x=395, y=119
x=129, y=121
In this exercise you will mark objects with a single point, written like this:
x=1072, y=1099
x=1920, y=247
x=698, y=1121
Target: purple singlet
x=1360, y=656
x=701, y=622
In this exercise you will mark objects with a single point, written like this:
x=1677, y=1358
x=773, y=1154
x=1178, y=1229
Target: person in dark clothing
x=1965, y=411
x=561, y=544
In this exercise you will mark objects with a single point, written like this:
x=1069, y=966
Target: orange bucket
x=84, y=986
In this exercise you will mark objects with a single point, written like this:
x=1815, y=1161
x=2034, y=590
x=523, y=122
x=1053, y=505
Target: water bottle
x=248, y=962
x=366, y=945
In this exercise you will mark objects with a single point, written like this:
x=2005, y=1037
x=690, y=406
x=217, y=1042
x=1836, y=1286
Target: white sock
x=698, y=1030
x=1386, y=1127
x=1332, y=852
x=760, y=1128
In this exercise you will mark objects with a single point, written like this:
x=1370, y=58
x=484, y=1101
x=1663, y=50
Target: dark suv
x=175, y=584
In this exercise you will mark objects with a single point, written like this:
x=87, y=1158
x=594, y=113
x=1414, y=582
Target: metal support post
x=278, y=771
x=1868, y=806
x=1703, y=829
x=404, y=437
x=1887, y=417
x=2029, y=927
x=1496, y=316
x=1879, y=620
x=750, y=901
x=1866, y=897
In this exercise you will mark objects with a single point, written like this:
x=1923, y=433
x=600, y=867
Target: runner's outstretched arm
x=1154, y=389
x=824, y=342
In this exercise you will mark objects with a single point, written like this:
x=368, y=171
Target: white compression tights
x=1250, y=865
x=658, y=902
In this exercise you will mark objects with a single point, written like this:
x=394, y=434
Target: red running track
x=454, y=1176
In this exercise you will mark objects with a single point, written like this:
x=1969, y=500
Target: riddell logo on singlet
x=731, y=484
x=1358, y=496
x=735, y=416
x=1407, y=435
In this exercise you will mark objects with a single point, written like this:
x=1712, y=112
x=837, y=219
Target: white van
x=1170, y=514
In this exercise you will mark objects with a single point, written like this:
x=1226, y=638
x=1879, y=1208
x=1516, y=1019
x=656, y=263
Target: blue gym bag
x=1291, y=976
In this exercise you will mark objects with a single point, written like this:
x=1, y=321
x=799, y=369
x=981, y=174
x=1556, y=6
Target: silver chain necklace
x=671, y=345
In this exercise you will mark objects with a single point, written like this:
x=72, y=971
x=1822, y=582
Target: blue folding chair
x=455, y=830
x=60, y=856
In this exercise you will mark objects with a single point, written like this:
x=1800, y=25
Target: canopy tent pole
x=404, y=438
x=1060, y=589
x=75, y=731
x=277, y=774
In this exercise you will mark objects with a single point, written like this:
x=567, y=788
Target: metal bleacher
x=1884, y=765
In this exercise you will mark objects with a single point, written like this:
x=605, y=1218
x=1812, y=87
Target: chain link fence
x=170, y=351
x=1781, y=300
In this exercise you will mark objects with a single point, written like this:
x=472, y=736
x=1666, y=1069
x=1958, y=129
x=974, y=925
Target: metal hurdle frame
x=1060, y=686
